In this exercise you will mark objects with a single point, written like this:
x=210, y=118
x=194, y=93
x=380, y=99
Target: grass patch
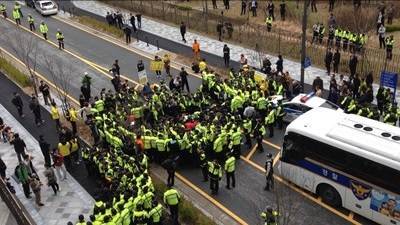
x=100, y=26
x=14, y=73
x=393, y=28
x=187, y=212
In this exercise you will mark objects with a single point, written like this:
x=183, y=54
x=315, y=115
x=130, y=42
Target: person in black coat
x=328, y=60
x=227, y=56
x=279, y=64
x=35, y=108
x=3, y=169
x=128, y=33
x=356, y=86
x=318, y=82
x=353, y=65
x=45, y=148
x=183, y=31
x=336, y=61
x=133, y=23
x=19, y=104
x=183, y=74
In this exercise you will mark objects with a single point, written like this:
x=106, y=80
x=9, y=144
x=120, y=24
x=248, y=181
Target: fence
x=254, y=35
x=19, y=212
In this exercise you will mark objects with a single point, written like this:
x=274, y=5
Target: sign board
x=389, y=79
x=156, y=65
x=258, y=76
x=307, y=62
x=142, y=77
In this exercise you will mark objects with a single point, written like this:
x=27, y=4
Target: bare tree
x=25, y=48
x=61, y=77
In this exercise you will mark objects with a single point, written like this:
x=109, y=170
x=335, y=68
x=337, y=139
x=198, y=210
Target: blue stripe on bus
x=329, y=174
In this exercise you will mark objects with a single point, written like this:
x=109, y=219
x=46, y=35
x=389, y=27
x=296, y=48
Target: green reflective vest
x=59, y=36
x=16, y=14
x=156, y=213
x=43, y=28
x=171, y=197
x=230, y=164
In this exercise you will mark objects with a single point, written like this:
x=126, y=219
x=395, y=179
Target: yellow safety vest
x=55, y=115
x=64, y=149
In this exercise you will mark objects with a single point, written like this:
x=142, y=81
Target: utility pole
x=303, y=43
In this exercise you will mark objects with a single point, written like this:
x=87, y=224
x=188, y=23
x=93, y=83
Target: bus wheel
x=329, y=195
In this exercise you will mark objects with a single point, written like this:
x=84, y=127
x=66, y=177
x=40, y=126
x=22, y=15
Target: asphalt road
x=246, y=200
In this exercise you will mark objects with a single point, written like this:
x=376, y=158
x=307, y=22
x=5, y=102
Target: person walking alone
x=19, y=104
x=269, y=173
x=226, y=51
x=35, y=184
x=183, y=31
x=51, y=178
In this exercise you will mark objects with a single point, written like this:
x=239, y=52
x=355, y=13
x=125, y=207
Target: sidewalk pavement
x=6, y=218
x=211, y=45
x=72, y=199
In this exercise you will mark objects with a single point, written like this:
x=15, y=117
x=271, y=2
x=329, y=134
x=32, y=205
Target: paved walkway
x=6, y=218
x=210, y=45
x=71, y=201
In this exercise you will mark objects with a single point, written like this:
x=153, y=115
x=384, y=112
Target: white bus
x=347, y=160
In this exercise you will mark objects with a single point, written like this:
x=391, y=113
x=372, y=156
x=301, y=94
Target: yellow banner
x=156, y=65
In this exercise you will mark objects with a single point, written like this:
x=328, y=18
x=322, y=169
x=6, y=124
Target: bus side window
x=292, y=149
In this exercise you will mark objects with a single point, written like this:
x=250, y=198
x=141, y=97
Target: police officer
x=270, y=216
x=60, y=39
x=215, y=172
x=81, y=220
x=172, y=200
x=3, y=10
x=389, y=41
x=31, y=22
x=269, y=173
x=155, y=214
x=43, y=29
x=204, y=166
x=230, y=170
x=280, y=113
x=268, y=21
x=17, y=16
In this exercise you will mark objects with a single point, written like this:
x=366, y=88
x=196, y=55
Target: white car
x=46, y=7
x=303, y=103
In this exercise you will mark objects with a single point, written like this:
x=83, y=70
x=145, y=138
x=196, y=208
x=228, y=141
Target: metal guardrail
x=17, y=209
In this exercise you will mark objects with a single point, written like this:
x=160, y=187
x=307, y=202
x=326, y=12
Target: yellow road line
x=251, y=152
x=277, y=147
x=90, y=63
x=211, y=199
x=303, y=193
x=40, y=76
x=183, y=179
x=117, y=42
